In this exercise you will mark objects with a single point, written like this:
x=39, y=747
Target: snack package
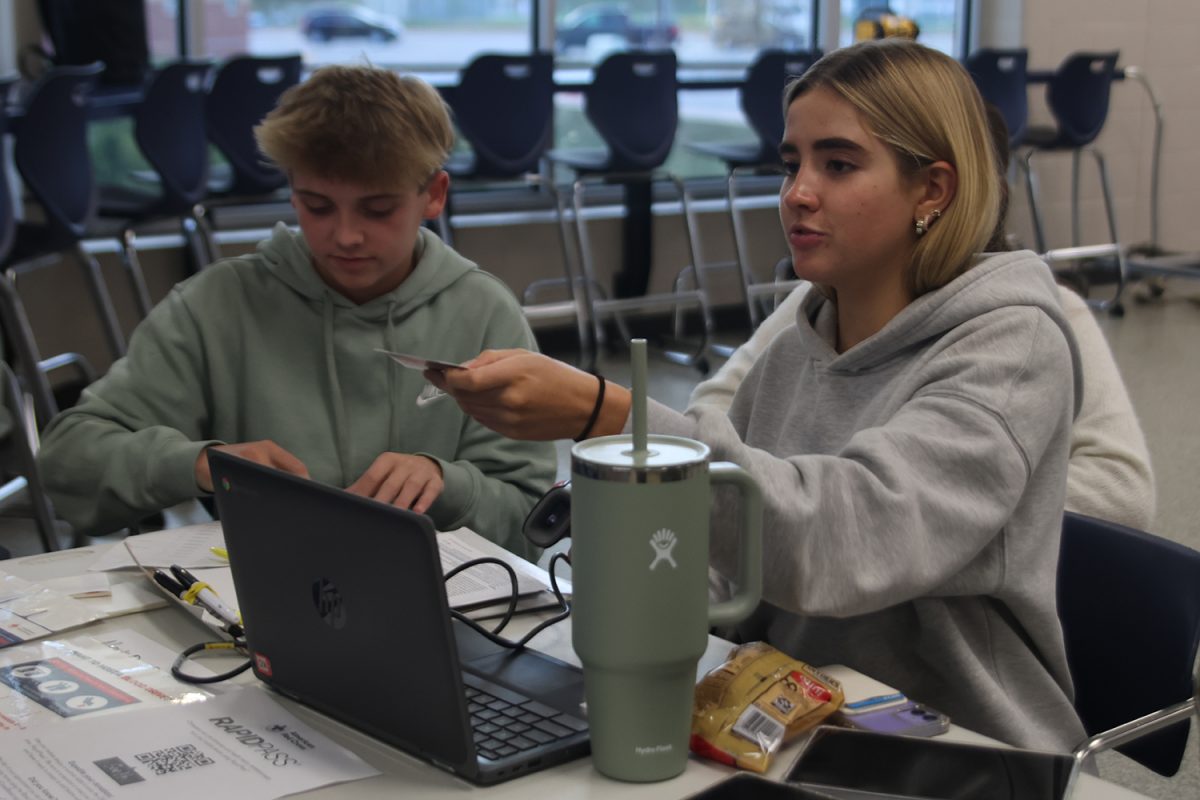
x=758, y=699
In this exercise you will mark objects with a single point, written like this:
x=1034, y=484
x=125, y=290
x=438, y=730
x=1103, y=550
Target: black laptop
x=345, y=610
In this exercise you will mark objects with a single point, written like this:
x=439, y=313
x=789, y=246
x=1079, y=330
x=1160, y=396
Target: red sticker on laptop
x=262, y=665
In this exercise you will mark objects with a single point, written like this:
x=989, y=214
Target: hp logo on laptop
x=329, y=603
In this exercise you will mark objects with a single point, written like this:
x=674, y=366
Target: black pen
x=207, y=599
x=167, y=582
x=185, y=578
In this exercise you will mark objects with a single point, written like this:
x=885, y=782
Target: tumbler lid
x=607, y=457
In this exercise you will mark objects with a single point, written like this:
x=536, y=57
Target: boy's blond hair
x=364, y=125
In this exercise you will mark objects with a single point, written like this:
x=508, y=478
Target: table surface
x=404, y=776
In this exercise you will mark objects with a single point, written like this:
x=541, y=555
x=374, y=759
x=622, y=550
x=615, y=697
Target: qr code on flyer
x=173, y=759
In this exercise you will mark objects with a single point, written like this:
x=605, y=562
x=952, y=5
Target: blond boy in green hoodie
x=273, y=356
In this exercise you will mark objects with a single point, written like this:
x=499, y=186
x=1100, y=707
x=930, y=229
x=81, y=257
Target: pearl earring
x=922, y=225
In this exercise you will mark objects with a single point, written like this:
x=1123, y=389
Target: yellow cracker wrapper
x=760, y=698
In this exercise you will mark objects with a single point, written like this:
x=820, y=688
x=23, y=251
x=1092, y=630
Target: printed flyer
x=242, y=744
x=54, y=680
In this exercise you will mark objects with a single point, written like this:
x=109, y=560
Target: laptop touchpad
x=525, y=672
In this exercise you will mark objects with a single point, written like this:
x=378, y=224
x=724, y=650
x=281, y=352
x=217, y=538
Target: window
x=937, y=20
x=423, y=36
x=713, y=39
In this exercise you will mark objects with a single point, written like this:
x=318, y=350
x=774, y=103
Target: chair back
x=1129, y=603
x=504, y=107
x=762, y=94
x=243, y=91
x=7, y=220
x=169, y=129
x=633, y=104
x=1078, y=96
x=1002, y=79
x=51, y=149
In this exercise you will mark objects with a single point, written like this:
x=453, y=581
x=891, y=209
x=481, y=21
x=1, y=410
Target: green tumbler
x=641, y=612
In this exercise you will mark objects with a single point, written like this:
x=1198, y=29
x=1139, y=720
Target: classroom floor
x=1157, y=346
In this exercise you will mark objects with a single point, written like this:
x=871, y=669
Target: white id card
x=419, y=362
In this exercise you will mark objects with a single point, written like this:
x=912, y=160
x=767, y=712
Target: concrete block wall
x=1160, y=38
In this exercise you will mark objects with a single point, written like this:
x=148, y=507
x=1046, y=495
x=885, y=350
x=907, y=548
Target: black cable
x=177, y=667
x=512, y=580
x=493, y=635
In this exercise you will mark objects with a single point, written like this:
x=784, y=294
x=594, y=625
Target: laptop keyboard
x=506, y=723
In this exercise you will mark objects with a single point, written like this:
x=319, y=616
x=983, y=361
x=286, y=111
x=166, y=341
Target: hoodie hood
x=436, y=267
x=287, y=256
x=997, y=281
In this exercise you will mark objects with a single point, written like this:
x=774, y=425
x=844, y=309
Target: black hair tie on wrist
x=595, y=410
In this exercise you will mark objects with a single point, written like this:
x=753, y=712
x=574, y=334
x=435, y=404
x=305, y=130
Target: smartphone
x=907, y=719
x=858, y=764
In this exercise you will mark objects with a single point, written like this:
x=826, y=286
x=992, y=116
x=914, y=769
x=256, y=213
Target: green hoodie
x=260, y=347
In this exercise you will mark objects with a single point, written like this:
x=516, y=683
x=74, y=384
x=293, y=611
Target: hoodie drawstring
x=389, y=344
x=335, y=387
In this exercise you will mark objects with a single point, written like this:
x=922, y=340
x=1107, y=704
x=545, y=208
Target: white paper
x=485, y=584
x=241, y=745
x=143, y=648
x=189, y=547
x=56, y=680
x=31, y=611
x=488, y=582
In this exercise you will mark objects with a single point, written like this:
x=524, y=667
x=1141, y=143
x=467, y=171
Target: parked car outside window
x=581, y=24
x=326, y=24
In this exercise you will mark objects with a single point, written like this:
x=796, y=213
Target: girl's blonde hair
x=359, y=124
x=924, y=105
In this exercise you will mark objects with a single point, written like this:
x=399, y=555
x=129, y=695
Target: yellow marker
x=220, y=552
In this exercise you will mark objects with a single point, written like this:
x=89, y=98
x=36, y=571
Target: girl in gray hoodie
x=910, y=431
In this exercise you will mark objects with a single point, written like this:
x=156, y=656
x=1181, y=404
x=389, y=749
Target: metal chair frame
x=765, y=80
x=504, y=108
x=625, y=84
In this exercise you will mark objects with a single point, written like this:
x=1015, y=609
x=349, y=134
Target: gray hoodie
x=259, y=347
x=913, y=495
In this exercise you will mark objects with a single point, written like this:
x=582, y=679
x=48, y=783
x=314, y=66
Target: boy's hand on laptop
x=401, y=480
x=264, y=452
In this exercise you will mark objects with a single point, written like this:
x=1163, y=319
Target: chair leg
x=576, y=291
x=695, y=255
x=20, y=336
x=442, y=224
x=207, y=250
x=569, y=282
x=1039, y=235
x=1075, y=157
x=589, y=282
x=739, y=249
x=1114, y=305
x=196, y=241
x=103, y=301
x=133, y=267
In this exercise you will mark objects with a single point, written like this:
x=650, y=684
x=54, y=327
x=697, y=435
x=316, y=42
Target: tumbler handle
x=749, y=579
